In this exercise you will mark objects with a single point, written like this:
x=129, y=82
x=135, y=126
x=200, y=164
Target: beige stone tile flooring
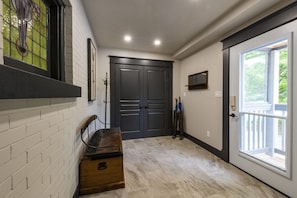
x=163, y=167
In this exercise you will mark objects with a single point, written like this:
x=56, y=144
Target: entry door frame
x=117, y=60
x=279, y=18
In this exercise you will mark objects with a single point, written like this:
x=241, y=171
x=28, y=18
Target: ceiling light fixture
x=127, y=38
x=157, y=42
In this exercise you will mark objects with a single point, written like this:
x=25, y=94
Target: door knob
x=233, y=115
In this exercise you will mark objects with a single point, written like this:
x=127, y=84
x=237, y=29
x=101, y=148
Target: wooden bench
x=101, y=167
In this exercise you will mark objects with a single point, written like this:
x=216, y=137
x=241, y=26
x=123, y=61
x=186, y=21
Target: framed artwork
x=198, y=81
x=91, y=70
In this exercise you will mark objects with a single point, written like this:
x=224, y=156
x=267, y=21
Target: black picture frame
x=198, y=81
x=91, y=70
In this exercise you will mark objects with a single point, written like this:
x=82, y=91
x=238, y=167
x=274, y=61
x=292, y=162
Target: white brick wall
x=4, y=155
x=13, y=135
x=22, y=118
x=40, y=145
x=4, y=123
x=5, y=187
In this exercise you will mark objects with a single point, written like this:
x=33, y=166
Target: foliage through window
x=258, y=64
x=255, y=76
x=25, y=34
x=283, y=75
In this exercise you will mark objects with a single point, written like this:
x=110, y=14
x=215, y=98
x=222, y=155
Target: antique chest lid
x=105, y=143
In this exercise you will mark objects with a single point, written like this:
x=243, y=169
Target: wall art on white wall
x=91, y=70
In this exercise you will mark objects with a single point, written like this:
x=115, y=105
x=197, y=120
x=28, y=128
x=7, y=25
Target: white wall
x=40, y=145
x=202, y=108
x=103, y=64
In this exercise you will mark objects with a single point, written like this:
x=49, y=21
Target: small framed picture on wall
x=91, y=70
x=198, y=81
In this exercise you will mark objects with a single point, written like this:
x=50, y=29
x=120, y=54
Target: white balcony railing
x=263, y=133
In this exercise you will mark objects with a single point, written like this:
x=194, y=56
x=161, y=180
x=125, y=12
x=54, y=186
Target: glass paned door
x=263, y=111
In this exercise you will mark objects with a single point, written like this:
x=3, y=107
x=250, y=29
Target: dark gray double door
x=141, y=97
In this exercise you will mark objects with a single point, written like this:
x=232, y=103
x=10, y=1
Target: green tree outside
x=255, y=76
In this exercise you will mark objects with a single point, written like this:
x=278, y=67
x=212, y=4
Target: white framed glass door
x=264, y=101
x=261, y=106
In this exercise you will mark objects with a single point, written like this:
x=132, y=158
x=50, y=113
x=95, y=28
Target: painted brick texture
x=40, y=145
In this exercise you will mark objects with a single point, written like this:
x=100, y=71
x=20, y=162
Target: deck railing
x=264, y=129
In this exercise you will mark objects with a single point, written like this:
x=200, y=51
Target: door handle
x=233, y=115
x=102, y=166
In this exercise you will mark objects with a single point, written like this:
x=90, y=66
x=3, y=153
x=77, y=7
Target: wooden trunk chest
x=102, y=169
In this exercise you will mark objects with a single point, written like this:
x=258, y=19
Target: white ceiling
x=183, y=26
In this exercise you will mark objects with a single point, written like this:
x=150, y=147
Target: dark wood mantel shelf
x=18, y=84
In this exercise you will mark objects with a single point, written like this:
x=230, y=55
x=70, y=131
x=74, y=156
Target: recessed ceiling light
x=127, y=38
x=157, y=42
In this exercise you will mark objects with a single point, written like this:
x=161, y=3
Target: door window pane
x=255, y=78
x=263, y=112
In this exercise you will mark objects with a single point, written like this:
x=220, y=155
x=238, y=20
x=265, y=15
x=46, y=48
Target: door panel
x=156, y=84
x=130, y=122
x=130, y=83
x=129, y=116
x=141, y=98
x=156, y=122
x=261, y=105
x=156, y=94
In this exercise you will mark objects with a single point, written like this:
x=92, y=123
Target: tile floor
x=163, y=167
